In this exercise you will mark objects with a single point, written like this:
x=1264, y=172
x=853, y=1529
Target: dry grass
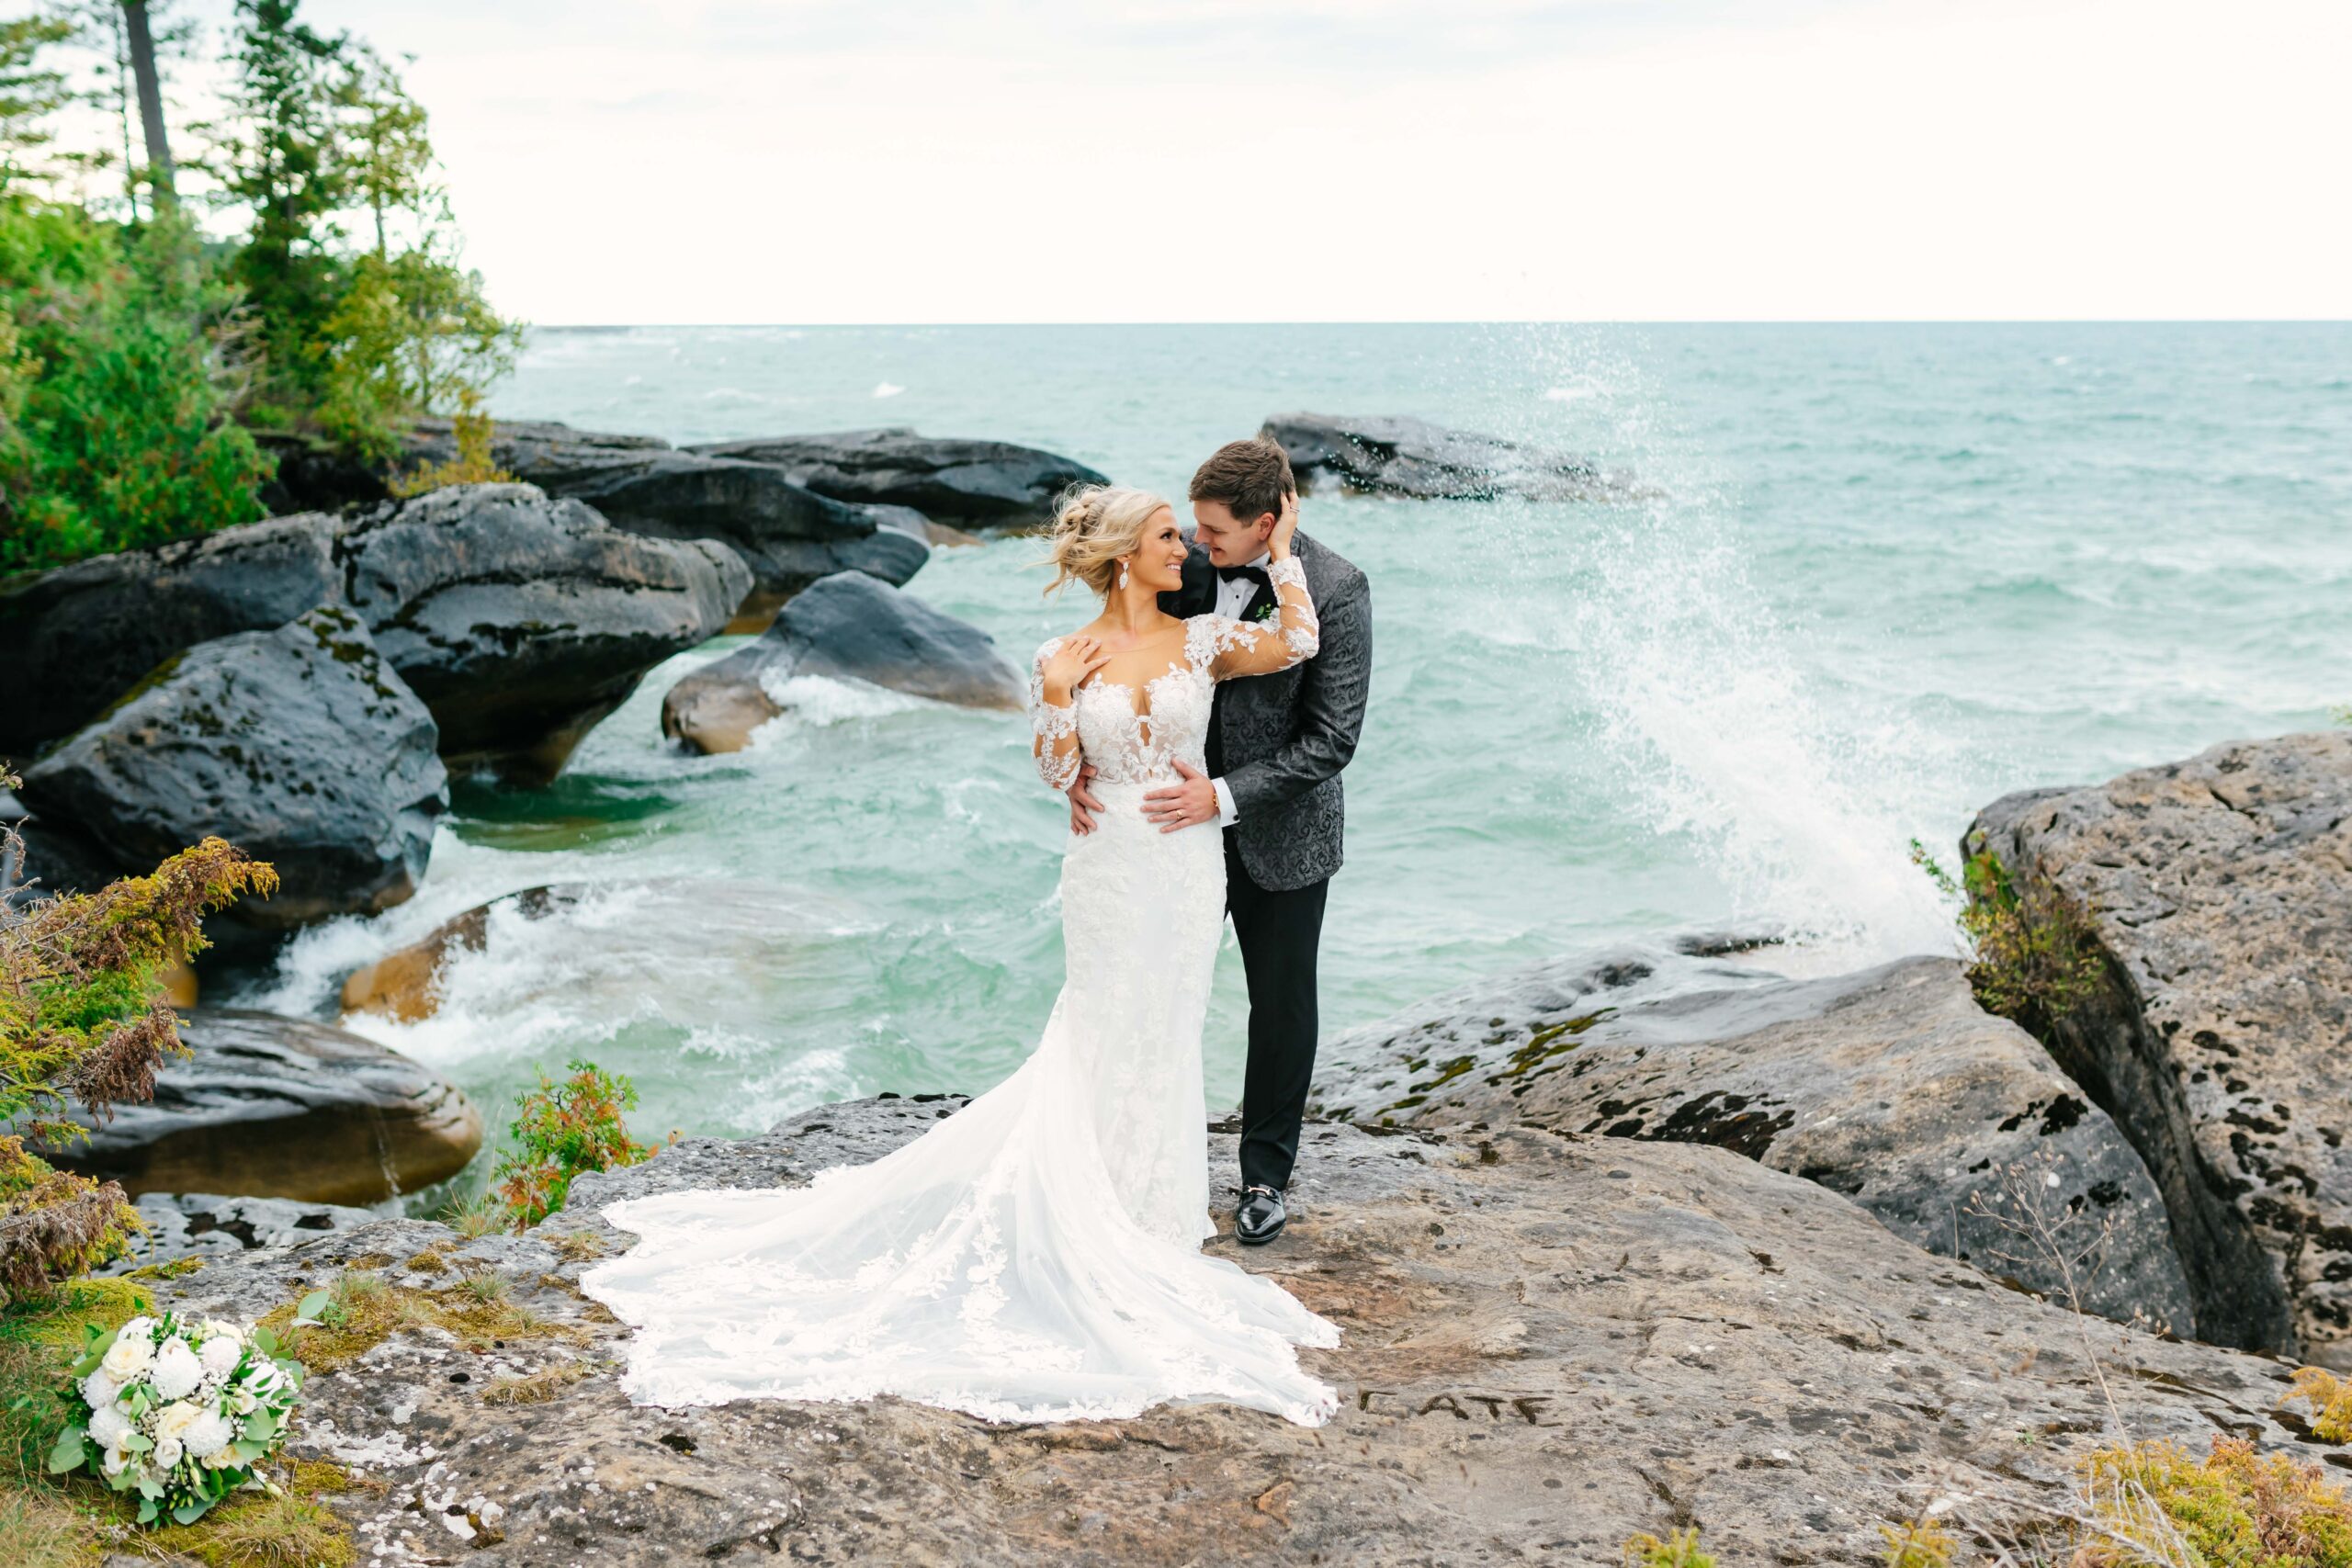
x=43, y=1531
x=364, y=1311
x=538, y=1388
x=578, y=1246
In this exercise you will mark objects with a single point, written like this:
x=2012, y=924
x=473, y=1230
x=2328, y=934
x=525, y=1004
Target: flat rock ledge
x=2219, y=896
x=1551, y=1343
x=1891, y=1086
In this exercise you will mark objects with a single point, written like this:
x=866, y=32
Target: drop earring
x=1123, y=574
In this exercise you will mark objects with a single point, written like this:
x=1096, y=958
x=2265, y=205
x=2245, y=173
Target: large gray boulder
x=299, y=746
x=1890, y=1086
x=789, y=535
x=851, y=627
x=74, y=639
x=964, y=483
x=274, y=1106
x=206, y=1226
x=1549, y=1345
x=2218, y=894
x=1395, y=456
x=522, y=620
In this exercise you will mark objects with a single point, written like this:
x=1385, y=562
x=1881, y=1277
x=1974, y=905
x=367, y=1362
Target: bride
x=1035, y=1257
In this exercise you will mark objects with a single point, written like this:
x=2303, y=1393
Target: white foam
x=888, y=389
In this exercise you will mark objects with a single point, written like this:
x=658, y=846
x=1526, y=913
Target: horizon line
x=1518, y=321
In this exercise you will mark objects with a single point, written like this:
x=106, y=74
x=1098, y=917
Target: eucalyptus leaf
x=189, y=1513
x=147, y=1510
x=69, y=1453
x=312, y=1309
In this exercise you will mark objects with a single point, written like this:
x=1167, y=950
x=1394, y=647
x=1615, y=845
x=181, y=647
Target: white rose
x=222, y=1458
x=115, y=1461
x=174, y=1420
x=243, y=1402
x=130, y=1354
x=177, y=1370
x=109, y=1426
x=208, y=1435
x=167, y=1453
x=98, y=1391
x=219, y=1356
x=221, y=1329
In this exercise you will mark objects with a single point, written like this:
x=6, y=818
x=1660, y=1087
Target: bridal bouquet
x=177, y=1411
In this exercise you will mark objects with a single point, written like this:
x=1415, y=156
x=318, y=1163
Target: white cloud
x=830, y=160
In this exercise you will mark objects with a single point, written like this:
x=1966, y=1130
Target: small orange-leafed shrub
x=84, y=1020
x=560, y=1131
x=2330, y=1398
x=2149, y=1501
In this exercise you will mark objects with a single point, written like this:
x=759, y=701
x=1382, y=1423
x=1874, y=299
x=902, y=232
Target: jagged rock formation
x=2218, y=893
x=963, y=483
x=850, y=626
x=1384, y=455
x=299, y=746
x=789, y=534
x=1551, y=1343
x=522, y=621
x=1890, y=1086
x=274, y=1107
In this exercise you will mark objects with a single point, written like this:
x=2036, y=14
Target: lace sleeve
x=1054, y=726
x=1227, y=648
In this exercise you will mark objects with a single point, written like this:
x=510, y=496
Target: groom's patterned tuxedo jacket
x=1280, y=741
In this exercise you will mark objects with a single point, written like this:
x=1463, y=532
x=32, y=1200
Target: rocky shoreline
x=1789, y=1260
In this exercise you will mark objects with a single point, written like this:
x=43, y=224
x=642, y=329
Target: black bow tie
x=1256, y=574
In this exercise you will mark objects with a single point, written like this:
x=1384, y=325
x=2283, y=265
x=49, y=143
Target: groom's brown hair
x=1248, y=479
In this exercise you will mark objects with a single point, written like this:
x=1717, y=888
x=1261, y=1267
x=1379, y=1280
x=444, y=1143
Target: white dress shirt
x=1233, y=597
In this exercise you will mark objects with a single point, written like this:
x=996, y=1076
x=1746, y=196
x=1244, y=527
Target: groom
x=1276, y=744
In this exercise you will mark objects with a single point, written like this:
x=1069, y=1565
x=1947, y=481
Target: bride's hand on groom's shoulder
x=1077, y=657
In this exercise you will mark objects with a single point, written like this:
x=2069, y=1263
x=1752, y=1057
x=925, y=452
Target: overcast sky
x=811, y=161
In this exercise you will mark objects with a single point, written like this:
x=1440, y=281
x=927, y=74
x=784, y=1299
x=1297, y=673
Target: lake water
x=1883, y=575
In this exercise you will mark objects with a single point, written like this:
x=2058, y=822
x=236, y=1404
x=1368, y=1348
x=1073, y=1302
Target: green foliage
x=2037, y=953
x=2340, y=715
x=30, y=92
x=1680, y=1550
x=412, y=334
x=474, y=463
x=116, y=378
x=560, y=1131
x=84, y=1019
x=2233, y=1507
x=36, y=1340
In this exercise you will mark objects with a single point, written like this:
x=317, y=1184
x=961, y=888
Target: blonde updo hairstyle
x=1094, y=527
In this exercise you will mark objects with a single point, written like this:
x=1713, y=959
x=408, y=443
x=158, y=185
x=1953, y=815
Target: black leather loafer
x=1260, y=1216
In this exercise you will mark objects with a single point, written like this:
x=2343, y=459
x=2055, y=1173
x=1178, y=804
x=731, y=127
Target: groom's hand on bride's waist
x=1185, y=805
x=1082, y=804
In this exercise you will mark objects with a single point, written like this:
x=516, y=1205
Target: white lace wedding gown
x=1035, y=1257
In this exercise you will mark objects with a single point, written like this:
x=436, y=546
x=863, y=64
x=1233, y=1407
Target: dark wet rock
x=299, y=746
x=1550, y=1344
x=1382, y=455
x=405, y=985
x=789, y=535
x=964, y=483
x=74, y=639
x=523, y=620
x=278, y=1107
x=850, y=626
x=1890, y=1086
x=2218, y=892
x=207, y=1225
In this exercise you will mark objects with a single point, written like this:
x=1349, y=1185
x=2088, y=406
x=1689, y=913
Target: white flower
x=242, y=1402
x=221, y=1460
x=167, y=1452
x=115, y=1461
x=109, y=1426
x=177, y=1370
x=174, y=1420
x=264, y=1379
x=208, y=1435
x=131, y=1353
x=221, y=1329
x=219, y=1356
x=98, y=1391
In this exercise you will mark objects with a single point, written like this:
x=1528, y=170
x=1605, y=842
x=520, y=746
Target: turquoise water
x=1883, y=574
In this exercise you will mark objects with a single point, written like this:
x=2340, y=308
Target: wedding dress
x=1034, y=1256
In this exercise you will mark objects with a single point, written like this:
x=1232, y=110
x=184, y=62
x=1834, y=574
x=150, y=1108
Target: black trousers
x=1279, y=933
